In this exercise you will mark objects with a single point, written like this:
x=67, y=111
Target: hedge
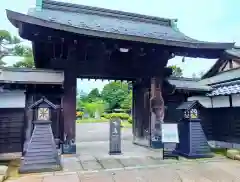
x=123, y=116
x=130, y=120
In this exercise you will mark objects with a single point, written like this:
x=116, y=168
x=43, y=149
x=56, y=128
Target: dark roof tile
x=105, y=23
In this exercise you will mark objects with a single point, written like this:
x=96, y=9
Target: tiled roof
x=188, y=84
x=93, y=21
x=31, y=76
x=227, y=88
x=221, y=77
x=187, y=105
x=233, y=53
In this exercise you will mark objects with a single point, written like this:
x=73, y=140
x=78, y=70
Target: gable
x=230, y=60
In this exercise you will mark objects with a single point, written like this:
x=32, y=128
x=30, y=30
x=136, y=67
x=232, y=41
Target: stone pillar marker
x=115, y=136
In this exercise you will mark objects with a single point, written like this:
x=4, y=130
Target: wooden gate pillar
x=141, y=113
x=157, y=111
x=69, y=103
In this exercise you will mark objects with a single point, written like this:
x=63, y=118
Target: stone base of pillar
x=69, y=148
x=156, y=144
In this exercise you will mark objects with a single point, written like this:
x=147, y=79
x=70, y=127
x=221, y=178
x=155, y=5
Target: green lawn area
x=219, y=151
x=92, y=120
x=124, y=124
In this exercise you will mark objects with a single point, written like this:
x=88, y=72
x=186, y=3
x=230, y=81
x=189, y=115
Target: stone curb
x=3, y=172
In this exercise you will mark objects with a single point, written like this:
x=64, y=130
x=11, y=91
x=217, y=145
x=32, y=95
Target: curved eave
x=16, y=18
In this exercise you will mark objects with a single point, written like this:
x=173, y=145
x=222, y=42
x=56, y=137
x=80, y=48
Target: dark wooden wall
x=12, y=130
x=226, y=124
x=172, y=115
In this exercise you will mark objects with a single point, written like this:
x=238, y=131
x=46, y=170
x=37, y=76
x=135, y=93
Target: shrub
x=79, y=113
x=122, y=116
x=130, y=120
x=92, y=120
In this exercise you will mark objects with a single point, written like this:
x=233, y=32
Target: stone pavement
x=223, y=170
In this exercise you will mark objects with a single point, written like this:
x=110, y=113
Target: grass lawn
x=219, y=151
x=92, y=120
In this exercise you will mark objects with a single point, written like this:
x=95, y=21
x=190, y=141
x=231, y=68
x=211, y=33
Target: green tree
x=91, y=108
x=177, y=71
x=114, y=94
x=28, y=60
x=2, y=63
x=127, y=102
x=93, y=95
x=9, y=46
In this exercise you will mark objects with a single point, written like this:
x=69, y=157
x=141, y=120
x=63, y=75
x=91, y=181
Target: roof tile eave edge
x=34, y=70
x=55, y=25
x=31, y=82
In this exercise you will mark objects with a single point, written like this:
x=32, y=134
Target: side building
x=20, y=88
x=224, y=78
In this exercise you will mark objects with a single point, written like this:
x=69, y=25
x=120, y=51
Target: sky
x=206, y=20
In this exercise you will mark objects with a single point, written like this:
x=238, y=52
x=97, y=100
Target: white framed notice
x=170, y=133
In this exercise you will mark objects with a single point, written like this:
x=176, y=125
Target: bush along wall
x=122, y=116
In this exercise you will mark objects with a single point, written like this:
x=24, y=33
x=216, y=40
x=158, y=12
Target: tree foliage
x=2, y=63
x=93, y=95
x=115, y=93
x=127, y=102
x=177, y=71
x=9, y=46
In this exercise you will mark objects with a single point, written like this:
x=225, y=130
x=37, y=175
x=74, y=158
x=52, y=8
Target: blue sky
x=208, y=20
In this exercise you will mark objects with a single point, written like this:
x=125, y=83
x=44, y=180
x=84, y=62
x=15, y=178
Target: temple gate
x=89, y=42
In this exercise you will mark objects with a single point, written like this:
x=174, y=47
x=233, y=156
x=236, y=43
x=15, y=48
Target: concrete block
x=3, y=169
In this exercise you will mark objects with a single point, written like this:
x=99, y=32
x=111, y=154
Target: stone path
x=91, y=163
x=195, y=171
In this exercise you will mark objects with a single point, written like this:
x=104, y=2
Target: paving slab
x=91, y=165
x=129, y=176
x=110, y=163
x=64, y=178
x=189, y=173
x=27, y=179
x=71, y=164
x=145, y=161
x=96, y=177
x=232, y=168
x=86, y=158
x=214, y=173
x=210, y=171
x=130, y=162
x=160, y=174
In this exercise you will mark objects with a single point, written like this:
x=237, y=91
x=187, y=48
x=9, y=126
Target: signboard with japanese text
x=170, y=133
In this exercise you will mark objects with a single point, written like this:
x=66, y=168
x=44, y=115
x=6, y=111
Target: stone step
x=40, y=161
x=40, y=168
